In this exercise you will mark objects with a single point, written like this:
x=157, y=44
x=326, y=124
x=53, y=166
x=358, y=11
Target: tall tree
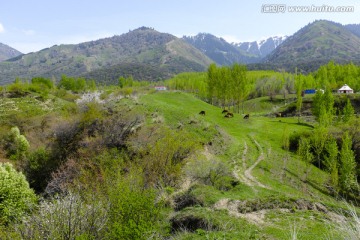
x=299, y=89
x=347, y=170
x=331, y=162
x=348, y=111
x=304, y=152
x=318, y=141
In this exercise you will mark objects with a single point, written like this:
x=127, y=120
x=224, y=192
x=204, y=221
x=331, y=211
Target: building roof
x=345, y=88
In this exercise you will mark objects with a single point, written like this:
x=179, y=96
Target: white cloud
x=2, y=29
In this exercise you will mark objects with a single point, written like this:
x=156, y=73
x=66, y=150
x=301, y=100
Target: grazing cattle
x=224, y=111
x=202, y=113
x=229, y=115
x=278, y=114
x=246, y=116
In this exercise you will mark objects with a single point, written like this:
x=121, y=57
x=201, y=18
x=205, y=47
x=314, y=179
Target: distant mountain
x=142, y=47
x=7, y=52
x=224, y=53
x=261, y=48
x=219, y=50
x=354, y=28
x=314, y=45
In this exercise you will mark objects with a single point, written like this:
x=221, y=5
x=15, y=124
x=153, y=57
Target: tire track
x=247, y=176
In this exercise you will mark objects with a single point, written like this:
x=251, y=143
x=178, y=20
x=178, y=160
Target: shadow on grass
x=310, y=183
x=298, y=124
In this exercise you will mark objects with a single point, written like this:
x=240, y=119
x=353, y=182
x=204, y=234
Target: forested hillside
x=142, y=47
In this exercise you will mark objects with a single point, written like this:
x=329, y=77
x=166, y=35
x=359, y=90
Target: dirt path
x=247, y=177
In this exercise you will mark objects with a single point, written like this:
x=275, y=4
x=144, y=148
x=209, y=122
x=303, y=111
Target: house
x=160, y=88
x=345, y=89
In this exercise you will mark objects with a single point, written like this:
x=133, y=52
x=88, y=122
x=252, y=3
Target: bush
x=211, y=172
x=16, y=197
x=66, y=217
x=295, y=138
x=16, y=144
x=133, y=213
x=38, y=169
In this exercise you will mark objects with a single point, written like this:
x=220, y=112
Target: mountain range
x=147, y=54
x=224, y=53
x=7, y=52
x=154, y=55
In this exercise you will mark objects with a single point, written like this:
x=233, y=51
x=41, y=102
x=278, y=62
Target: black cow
x=246, y=116
x=202, y=113
x=224, y=111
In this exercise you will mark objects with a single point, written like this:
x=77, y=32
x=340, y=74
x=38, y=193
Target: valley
x=149, y=136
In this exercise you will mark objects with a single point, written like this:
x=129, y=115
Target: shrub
x=212, y=172
x=66, y=217
x=16, y=144
x=16, y=197
x=294, y=139
x=166, y=157
x=133, y=213
x=38, y=169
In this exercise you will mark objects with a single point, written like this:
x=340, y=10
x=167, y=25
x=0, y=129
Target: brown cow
x=278, y=114
x=247, y=116
x=229, y=115
x=202, y=113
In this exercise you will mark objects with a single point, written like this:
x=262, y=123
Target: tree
x=15, y=194
x=305, y=154
x=299, y=88
x=347, y=170
x=318, y=141
x=331, y=162
x=240, y=84
x=348, y=112
x=323, y=107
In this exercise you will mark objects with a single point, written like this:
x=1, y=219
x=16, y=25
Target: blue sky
x=31, y=25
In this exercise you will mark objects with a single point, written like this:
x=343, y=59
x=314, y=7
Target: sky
x=31, y=25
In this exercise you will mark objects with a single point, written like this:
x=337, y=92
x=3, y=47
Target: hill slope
x=140, y=46
x=7, y=52
x=316, y=44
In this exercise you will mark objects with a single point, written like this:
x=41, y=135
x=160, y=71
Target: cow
x=202, y=113
x=224, y=111
x=229, y=115
x=278, y=114
x=246, y=116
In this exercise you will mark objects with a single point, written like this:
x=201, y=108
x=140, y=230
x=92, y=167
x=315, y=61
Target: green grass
x=283, y=178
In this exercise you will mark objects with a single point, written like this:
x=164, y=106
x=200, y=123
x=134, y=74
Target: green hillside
x=141, y=47
x=120, y=156
x=271, y=195
x=315, y=45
